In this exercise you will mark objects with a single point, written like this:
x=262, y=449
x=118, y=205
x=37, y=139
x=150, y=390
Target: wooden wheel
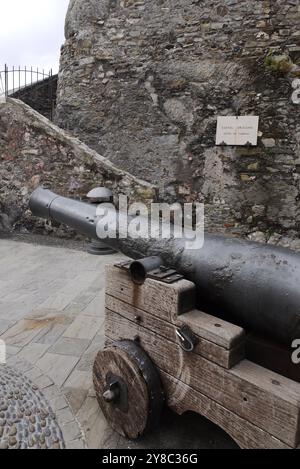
x=128, y=389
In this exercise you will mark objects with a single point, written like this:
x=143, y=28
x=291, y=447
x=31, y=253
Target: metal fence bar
x=51, y=95
x=2, y=84
x=17, y=78
x=6, y=81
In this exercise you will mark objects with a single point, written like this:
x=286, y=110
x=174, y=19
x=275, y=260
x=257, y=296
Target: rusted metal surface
x=273, y=356
x=253, y=285
x=97, y=248
x=141, y=268
x=163, y=274
x=188, y=340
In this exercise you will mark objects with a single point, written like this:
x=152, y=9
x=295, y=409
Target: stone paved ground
x=52, y=320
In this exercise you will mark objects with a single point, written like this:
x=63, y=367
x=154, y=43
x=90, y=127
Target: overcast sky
x=31, y=32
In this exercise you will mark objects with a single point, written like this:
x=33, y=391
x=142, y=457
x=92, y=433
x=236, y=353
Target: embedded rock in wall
x=83, y=14
x=143, y=81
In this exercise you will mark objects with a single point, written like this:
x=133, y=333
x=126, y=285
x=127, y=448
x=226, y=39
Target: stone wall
x=34, y=151
x=143, y=81
x=41, y=96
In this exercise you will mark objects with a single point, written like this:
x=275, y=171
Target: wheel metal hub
x=128, y=389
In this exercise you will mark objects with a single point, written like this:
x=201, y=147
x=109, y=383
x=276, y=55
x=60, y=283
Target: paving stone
x=59, y=302
x=92, y=392
x=99, y=431
x=14, y=311
x=64, y=416
x=34, y=373
x=93, y=422
x=80, y=380
x=71, y=431
x=59, y=403
x=53, y=392
x=57, y=367
x=41, y=314
x=74, y=308
x=5, y=325
x=11, y=350
x=76, y=444
x=21, y=334
x=54, y=330
x=44, y=284
x=43, y=382
x=18, y=362
x=33, y=352
x=80, y=302
x=84, y=327
x=22, y=303
x=67, y=346
x=96, y=307
x=87, y=360
x=81, y=283
x=75, y=398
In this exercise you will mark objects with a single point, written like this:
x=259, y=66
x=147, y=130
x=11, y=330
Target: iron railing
x=16, y=82
x=17, y=78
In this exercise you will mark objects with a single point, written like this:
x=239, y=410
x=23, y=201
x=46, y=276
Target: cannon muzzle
x=254, y=285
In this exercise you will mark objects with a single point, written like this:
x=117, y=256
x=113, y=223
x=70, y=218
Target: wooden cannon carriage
x=161, y=350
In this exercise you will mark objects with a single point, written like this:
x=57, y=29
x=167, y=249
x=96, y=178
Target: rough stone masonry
x=143, y=81
x=33, y=152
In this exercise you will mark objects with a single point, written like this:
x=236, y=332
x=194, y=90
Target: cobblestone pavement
x=52, y=321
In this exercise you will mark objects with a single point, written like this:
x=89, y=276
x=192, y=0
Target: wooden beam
x=163, y=300
x=182, y=398
x=210, y=350
x=215, y=330
x=257, y=395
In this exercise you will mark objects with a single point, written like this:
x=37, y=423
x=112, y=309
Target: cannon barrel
x=254, y=285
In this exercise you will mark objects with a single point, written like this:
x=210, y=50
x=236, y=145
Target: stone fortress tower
x=143, y=81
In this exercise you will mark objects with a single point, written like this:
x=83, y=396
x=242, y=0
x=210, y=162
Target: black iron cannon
x=254, y=285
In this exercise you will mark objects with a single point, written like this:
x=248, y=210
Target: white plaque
x=237, y=130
